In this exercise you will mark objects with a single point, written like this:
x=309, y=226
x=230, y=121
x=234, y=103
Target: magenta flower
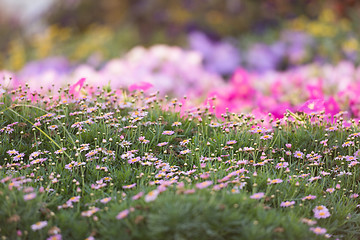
x=312, y=106
x=76, y=88
x=140, y=86
x=331, y=106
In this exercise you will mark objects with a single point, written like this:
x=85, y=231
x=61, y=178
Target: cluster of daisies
x=81, y=154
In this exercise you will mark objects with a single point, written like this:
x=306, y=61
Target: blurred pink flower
x=123, y=214
x=204, y=184
x=312, y=106
x=140, y=86
x=76, y=88
x=257, y=195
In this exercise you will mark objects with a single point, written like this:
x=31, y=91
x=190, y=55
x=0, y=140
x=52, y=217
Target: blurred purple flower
x=262, y=57
x=219, y=57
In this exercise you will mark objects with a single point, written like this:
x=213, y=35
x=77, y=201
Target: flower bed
x=107, y=166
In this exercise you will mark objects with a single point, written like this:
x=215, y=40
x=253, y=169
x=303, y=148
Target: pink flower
x=308, y=221
x=348, y=143
x=205, y=175
x=189, y=191
x=274, y=181
x=204, y=184
x=55, y=237
x=257, y=195
x=320, y=208
x=318, y=230
x=133, y=160
x=287, y=204
x=241, y=80
x=129, y=186
x=282, y=165
x=315, y=91
x=168, y=132
x=76, y=88
x=321, y=213
x=39, y=225
x=151, y=196
x=309, y=197
x=355, y=195
x=331, y=106
x=231, y=142
x=105, y=200
x=29, y=196
x=123, y=214
x=186, y=151
x=90, y=212
x=140, y=86
x=137, y=196
x=298, y=154
x=162, y=144
x=265, y=137
x=312, y=106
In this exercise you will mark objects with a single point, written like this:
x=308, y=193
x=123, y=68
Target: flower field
x=180, y=120
x=137, y=166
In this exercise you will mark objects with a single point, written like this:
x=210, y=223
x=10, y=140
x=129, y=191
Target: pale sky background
x=27, y=11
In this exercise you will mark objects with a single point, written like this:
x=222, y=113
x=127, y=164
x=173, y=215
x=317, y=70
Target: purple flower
x=168, y=132
x=257, y=195
x=298, y=154
x=123, y=214
x=287, y=204
x=318, y=230
x=219, y=57
x=204, y=184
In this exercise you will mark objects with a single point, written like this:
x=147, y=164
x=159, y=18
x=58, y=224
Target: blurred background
x=227, y=33
x=256, y=56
